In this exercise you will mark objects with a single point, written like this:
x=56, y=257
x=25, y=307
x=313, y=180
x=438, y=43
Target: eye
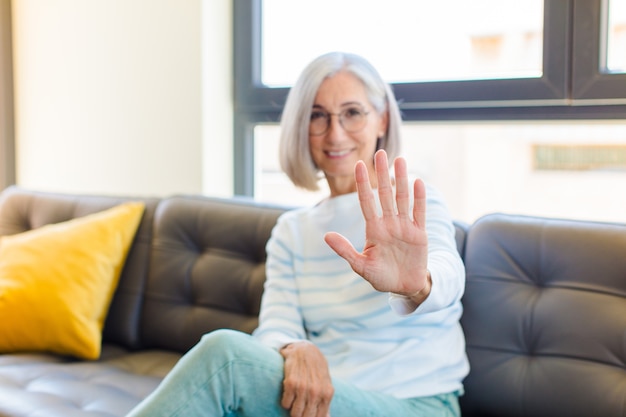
x=352, y=112
x=318, y=115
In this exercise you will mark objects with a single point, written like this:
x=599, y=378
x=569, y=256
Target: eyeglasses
x=351, y=119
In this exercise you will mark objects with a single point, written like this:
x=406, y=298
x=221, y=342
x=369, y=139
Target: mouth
x=338, y=154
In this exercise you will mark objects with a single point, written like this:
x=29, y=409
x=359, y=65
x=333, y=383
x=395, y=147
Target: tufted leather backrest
x=545, y=318
x=460, y=235
x=22, y=210
x=207, y=269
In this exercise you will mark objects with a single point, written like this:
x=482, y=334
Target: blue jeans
x=231, y=374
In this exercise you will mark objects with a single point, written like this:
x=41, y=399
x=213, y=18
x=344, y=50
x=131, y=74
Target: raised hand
x=395, y=256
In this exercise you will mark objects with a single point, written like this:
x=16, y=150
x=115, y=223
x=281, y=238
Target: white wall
x=217, y=104
x=109, y=95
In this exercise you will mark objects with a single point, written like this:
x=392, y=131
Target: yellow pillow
x=57, y=281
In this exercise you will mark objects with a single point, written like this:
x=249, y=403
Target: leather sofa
x=545, y=307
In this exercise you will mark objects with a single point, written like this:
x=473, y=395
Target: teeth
x=338, y=153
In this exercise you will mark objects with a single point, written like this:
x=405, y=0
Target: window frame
x=571, y=87
x=590, y=85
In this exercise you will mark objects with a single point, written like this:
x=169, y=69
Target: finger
x=385, y=192
x=288, y=398
x=419, y=204
x=323, y=406
x=402, y=186
x=309, y=411
x=364, y=190
x=322, y=410
x=298, y=408
x=344, y=248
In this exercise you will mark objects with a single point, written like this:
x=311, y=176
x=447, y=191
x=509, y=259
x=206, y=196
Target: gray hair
x=295, y=155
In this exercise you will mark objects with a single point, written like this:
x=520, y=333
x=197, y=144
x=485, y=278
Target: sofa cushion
x=56, y=282
x=22, y=210
x=52, y=386
x=207, y=269
x=544, y=318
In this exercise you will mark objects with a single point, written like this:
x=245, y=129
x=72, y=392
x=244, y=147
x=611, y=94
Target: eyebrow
x=348, y=103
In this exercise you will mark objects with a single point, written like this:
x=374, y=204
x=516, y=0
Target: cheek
x=369, y=139
x=370, y=145
x=314, y=144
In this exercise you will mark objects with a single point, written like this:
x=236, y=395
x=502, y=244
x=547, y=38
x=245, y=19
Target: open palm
x=395, y=255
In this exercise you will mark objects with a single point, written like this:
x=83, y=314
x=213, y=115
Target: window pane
x=557, y=169
x=616, y=37
x=407, y=41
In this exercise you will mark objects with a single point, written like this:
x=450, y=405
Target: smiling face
x=337, y=151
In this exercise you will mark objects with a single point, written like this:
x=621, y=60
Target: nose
x=335, y=128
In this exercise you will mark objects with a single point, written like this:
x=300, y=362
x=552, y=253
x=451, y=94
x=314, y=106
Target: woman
x=360, y=313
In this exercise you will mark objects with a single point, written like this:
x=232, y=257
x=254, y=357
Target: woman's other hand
x=307, y=386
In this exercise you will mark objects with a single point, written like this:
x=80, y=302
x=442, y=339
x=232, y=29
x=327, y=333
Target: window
x=469, y=45
x=549, y=86
x=615, y=57
x=563, y=87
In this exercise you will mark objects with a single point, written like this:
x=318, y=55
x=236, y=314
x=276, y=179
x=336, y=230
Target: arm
x=280, y=318
x=307, y=386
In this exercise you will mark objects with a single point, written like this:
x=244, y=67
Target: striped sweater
x=366, y=336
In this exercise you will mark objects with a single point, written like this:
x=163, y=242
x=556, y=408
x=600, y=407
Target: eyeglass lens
x=351, y=120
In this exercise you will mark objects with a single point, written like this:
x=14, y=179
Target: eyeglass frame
x=328, y=116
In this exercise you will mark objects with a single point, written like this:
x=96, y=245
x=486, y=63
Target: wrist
x=419, y=296
x=294, y=345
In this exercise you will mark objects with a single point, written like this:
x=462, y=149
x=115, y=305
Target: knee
x=224, y=338
x=229, y=346
x=225, y=343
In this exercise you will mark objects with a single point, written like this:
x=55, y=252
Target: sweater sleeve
x=280, y=318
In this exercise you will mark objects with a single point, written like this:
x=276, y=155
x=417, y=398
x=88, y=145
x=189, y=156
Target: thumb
x=343, y=248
